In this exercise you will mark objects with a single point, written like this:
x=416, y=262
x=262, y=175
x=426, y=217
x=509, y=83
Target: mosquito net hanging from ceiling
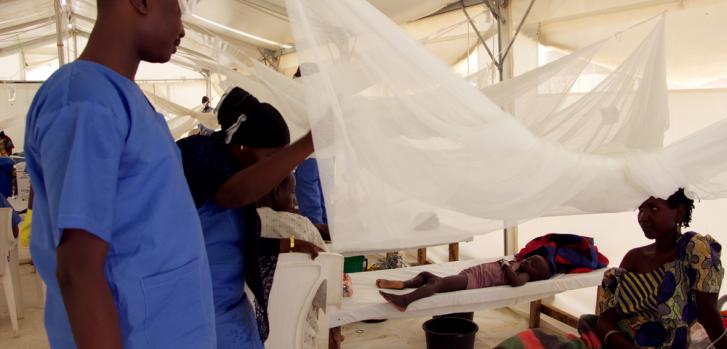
x=406, y=147
x=412, y=155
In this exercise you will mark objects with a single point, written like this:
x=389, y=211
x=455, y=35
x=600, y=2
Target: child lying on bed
x=491, y=274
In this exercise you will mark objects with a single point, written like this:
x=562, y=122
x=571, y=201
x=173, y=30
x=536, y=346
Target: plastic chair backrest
x=7, y=240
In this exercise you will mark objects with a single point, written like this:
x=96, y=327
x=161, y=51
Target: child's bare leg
x=417, y=281
x=434, y=285
x=390, y=284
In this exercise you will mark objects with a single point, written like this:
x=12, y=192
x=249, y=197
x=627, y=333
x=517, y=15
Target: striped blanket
x=538, y=339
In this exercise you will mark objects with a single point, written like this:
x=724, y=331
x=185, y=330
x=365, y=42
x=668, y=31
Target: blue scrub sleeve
x=80, y=148
x=308, y=191
x=16, y=219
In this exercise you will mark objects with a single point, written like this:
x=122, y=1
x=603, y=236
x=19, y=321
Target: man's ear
x=140, y=6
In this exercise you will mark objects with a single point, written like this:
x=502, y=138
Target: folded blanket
x=566, y=253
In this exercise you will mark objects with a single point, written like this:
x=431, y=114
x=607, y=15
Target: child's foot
x=390, y=284
x=395, y=300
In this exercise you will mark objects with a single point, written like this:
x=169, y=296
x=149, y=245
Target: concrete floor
x=495, y=325
x=32, y=331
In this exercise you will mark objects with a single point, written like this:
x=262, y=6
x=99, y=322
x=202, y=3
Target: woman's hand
x=709, y=317
x=307, y=247
x=607, y=322
x=301, y=246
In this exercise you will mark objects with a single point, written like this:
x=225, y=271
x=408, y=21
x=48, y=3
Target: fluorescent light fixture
x=238, y=32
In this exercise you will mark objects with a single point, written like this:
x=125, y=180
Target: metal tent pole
x=479, y=35
x=59, y=32
x=504, y=35
x=74, y=31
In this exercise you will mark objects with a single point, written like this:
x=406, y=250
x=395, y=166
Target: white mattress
x=367, y=303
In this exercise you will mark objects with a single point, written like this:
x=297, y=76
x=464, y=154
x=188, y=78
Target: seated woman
x=227, y=172
x=658, y=291
x=491, y=274
x=280, y=219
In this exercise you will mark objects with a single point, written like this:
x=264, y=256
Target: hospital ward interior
x=297, y=174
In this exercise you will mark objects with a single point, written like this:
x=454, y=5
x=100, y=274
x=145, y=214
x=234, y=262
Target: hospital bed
x=300, y=283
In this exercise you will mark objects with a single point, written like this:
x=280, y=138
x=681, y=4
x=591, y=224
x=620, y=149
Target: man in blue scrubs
x=309, y=193
x=115, y=235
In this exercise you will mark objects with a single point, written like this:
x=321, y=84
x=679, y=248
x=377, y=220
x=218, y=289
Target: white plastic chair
x=9, y=267
x=298, y=283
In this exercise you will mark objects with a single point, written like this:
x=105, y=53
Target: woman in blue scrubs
x=227, y=173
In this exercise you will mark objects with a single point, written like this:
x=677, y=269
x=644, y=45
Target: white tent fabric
x=693, y=58
x=363, y=98
x=403, y=143
x=541, y=99
x=626, y=110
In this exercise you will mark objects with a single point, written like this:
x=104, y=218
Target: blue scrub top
x=7, y=165
x=208, y=164
x=224, y=231
x=101, y=159
x=308, y=192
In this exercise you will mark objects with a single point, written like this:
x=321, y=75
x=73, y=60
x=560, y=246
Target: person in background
x=280, y=219
x=115, y=234
x=7, y=168
x=206, y=105
x=6, y=143
x=309, y=192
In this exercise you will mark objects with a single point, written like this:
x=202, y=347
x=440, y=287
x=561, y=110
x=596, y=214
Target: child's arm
x=514, y=278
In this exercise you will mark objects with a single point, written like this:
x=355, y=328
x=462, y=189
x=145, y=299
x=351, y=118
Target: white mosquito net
x=412, y=155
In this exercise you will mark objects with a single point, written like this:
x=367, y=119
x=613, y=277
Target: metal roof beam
x=611, y=10
x=270, y=8
x=37, y=42
x=16, y=27
x=454, y=6
x=236, y=40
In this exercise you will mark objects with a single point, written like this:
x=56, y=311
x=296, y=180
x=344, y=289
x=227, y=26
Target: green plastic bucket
x=354, y=264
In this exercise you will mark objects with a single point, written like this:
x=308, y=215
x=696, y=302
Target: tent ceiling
x=695, y=54
x=266, y=21
x=20, y=12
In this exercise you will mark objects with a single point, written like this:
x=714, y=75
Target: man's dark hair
x=679, y=198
